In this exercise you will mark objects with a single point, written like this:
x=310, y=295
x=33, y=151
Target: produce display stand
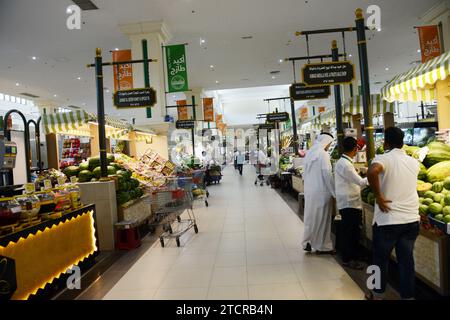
x=43, y=252
x=431, y=254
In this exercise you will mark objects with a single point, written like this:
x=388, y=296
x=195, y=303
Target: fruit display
x=285, y=163
x=50, y=174
x=10, y=211
x=73, y=152
x=30, y=205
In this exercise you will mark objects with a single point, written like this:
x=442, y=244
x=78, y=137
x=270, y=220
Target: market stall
x=42, y=235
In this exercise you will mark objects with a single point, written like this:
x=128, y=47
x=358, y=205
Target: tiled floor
x=248, y=247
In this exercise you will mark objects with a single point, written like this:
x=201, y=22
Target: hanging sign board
x=266, y=126
x=328, y=73
x=185, y=124
x=304, y=113
x=277, y=117
x=123, y=73
x=430, y=44
x=182, y=110
x=135, y=98
x=208, y=109
x=177, y=77
x=298, y=91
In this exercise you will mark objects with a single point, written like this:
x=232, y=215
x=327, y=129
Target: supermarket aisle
x=248, y=248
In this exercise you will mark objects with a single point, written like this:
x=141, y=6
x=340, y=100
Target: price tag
x=30, y=187
x=73, y=179
x=61, y=180
x=47, y=184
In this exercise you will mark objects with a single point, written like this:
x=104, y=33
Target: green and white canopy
x=354, y=105
x=65, y=121
x=418, y=84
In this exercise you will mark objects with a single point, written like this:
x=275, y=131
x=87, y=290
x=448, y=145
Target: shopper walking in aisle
x=240, y=159
x=348, y=197
x=236, y=153
x=393, y=178
x=319, y=192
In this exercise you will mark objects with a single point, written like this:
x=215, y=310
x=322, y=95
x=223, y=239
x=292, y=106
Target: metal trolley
x=263, y=173
x=199, y=190
x=169, y=205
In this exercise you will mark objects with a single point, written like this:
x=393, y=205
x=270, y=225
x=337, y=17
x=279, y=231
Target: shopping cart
x=199, y=190
x=263, y=173
x=169, y=205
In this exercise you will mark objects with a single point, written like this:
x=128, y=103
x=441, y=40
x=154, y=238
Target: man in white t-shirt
x=393, y=178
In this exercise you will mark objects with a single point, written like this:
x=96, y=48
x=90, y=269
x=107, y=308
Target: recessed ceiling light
x=273, y=77
x=202, y=41
x=83, y=104
x=217, y=81
x=117, y=49
x=350, y=55
x=280, y=61
x=419, y=51
x=379, y=29
x=34, y=58
x=55, y=95
x=211, y=66
x=107, y=90
x=387, y=69
x=79, y=78
x=17, y=84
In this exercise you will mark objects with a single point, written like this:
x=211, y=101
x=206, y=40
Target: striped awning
x=354, y=105
x=65, y=121
x=418, y=84
x=118, y=134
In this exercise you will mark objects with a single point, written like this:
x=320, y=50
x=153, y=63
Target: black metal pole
x=338, y=101
x=422, y=108
x=146, y=72
x=38, y=143
x=7, y=134
x=101, y=112
x=193, y=129
x=294, y=126
x=365, y=86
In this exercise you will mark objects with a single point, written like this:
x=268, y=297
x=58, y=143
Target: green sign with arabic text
x=177, y=77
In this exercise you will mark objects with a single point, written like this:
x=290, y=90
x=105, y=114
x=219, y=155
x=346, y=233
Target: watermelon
x=420, y=182
x=438, y=197
x=422, y=173
x=116, y=165
x=439, y=172
x=445, y=191
x=110, y=158
x=380, y=150
x=97, y=172
x=123, y=197
x=447, y=200
x=421, y=200
x=427, y=201
x=439, y=217
x=94, y=180
x=84, y=176
x=71, y=171
x=437, y=187
x=446, y=211
x=423, y=210
x=111, y=170
x=438, y=152
x=447, y=183
x=423, y=188
x=128, y=174
x=134, y=182
x=435, y=209
x=371, y=199
x=84, y=166
x=447, y=219
x=94, y=162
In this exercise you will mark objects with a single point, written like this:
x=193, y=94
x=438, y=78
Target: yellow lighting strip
x=17, y=252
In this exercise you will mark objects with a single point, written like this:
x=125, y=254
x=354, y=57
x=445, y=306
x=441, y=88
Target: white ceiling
x=37, y=28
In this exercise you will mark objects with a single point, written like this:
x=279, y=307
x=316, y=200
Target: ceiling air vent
x=85, y=4
x=29, y=95
x=247, y=37
x=275, y=72
x=73, y=107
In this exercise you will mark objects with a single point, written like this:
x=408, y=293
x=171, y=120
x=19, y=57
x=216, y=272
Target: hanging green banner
x=177, y=77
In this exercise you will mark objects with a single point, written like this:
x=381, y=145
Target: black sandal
x=331, y=252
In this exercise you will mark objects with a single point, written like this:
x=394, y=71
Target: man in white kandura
x=319, y=193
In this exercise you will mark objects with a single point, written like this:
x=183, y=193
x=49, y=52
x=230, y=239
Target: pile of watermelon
x=90, y=171
x=436, y=201
x=128, y=187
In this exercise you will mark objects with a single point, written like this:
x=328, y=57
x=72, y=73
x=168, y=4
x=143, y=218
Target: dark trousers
x=350, y=233
x=240, y=167
x=401, y=237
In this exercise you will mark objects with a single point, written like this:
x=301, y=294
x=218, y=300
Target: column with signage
x=156, y=35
